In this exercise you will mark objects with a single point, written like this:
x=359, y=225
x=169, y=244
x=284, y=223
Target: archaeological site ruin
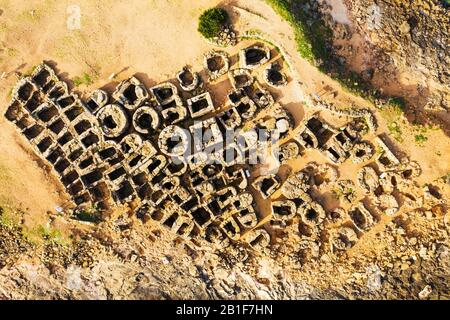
x=138, y=145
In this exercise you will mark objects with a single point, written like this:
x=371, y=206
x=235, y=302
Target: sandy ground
x=154, y=39
x=433, y=155
x=24, y=180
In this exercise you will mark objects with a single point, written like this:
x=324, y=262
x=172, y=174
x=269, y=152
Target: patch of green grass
x=398, y=103
x=5, y=218
x=10, y=218
x=310, y=39
x=85, y=79
x=77, y=81
x=340, y=193
x=8, y=53
x=314, y=38
x=29, y=15
x=395, y=131
x=314, y=42
x=353, y=83
x=211, y=22
x=30, y=236
x=50, y=234
x=88, y=215
x=420, y=139
x=10, y=92
x=29, y=71
x=255, y=32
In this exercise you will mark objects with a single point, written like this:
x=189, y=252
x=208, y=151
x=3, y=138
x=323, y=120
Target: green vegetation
x=44, y=233
x=3, y=28
x=5, y=219
x=211, y=22
x=398, y=126
x=353, y=83
x=447, y=178
x=29, y=71
x=420, y=138
x=338, y=193
x=270, y=43
x=11, y=52
x=85, y=79
x=91, y=215
x=50, y=234
x=258, y=31
x=311, y=39
x=30, y=16
x=420, y=133
x=392, y=111
x=395, y=131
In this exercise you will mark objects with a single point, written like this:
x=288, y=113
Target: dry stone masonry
x=139, y=145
